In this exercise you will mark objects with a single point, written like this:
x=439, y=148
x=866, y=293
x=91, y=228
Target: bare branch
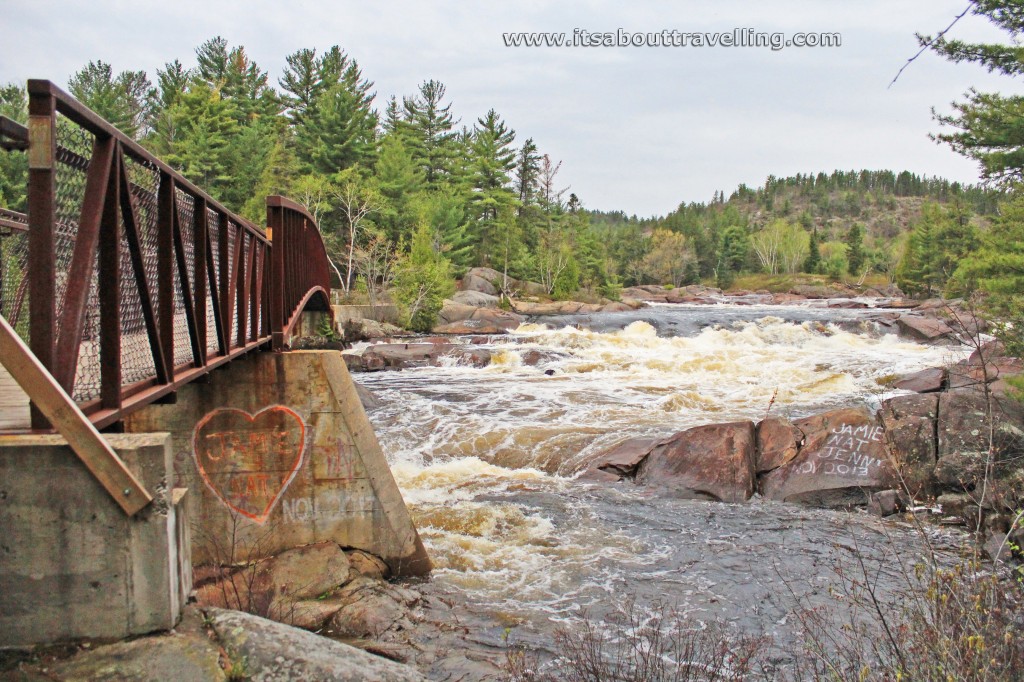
x=927, y=44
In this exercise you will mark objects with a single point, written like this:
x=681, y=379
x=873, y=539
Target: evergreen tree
x=493, y=201
x=307, y=77
x=422, y=281
x=813, y=261
x=996, y=268
x=988, y=125
x=13, y=167
x=279, y=176
x=527, y=172
x=445, y=211
x=204, y=125
x=123, y=100
x=429, y=130
x=855, y=254
x=400, y=181
x=341, y=129
x=937, y=244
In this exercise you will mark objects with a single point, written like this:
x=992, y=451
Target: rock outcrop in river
x=962, y=446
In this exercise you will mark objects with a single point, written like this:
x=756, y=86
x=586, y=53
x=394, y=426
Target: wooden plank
x=47, y=395
x=14, y=413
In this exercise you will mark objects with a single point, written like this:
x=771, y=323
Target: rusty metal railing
x=138, y=281
x=301, y=283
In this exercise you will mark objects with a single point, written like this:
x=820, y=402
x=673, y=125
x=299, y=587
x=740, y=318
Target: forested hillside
x=409, y=197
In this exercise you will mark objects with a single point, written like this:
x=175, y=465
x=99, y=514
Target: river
x=489, y=461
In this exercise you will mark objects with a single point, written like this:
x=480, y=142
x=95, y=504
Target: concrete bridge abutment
x=277, y=451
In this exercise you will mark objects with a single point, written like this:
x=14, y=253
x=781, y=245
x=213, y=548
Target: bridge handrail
x=207, y=283
x=300, y=267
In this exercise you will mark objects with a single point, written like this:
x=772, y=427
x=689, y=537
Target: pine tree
x=400, y=181
x=445, y=211
x=855, y=254
x=996, y=268
x=429, y=132
x=307, y=77
x=493, y=201
x=813, y=262
x=340, y=131
x=988, y=124
x=13, y=167
x=527, y=172
x=123, y=100
x=422, y=281
x=204, y=124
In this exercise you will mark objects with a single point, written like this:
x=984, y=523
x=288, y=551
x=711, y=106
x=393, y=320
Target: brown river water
x=488, y=460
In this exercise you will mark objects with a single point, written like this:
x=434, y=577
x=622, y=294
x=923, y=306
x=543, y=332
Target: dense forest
x=409, y=198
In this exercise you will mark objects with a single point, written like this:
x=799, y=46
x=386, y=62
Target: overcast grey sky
x=637, y=129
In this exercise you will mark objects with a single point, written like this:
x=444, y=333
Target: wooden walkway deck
x=13, y=404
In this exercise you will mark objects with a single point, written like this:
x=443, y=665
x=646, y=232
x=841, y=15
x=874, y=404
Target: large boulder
x=453, y=311
x=842, y=460
x=924, y=328
x=356, y=330
x=476, y=299
x=618, y=307
x=653, y=294
x=548, y=308
x=974, y=372
x=980, y=434
x=909, y=422
x=404, y=355
x=271, y=586
x=778, y=443
x=368, y=398
x=273, y=652
x=483, y=321
x=715, y=462
x=482, y=280
x=370, y=608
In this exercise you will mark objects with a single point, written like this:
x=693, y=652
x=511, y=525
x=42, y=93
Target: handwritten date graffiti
x=848, y=451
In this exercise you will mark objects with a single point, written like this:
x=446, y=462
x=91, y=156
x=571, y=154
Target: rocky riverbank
x=313, y=612
x=957, y=443
x=487, y=303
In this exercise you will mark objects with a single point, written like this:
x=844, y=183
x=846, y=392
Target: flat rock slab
x=278, y=653
x=843, y=458
x=715, y=462
x=476, y=299
x=926, y=381
x=185, y=654
x=621, y=460
x=924, y=328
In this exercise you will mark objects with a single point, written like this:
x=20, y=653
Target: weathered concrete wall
x=279, y=453
x=378, y=313
x=71, y=563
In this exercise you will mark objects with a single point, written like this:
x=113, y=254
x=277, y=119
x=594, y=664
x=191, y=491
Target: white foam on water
x=485, y=456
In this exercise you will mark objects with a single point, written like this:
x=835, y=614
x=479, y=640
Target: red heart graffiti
x=249, y=460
